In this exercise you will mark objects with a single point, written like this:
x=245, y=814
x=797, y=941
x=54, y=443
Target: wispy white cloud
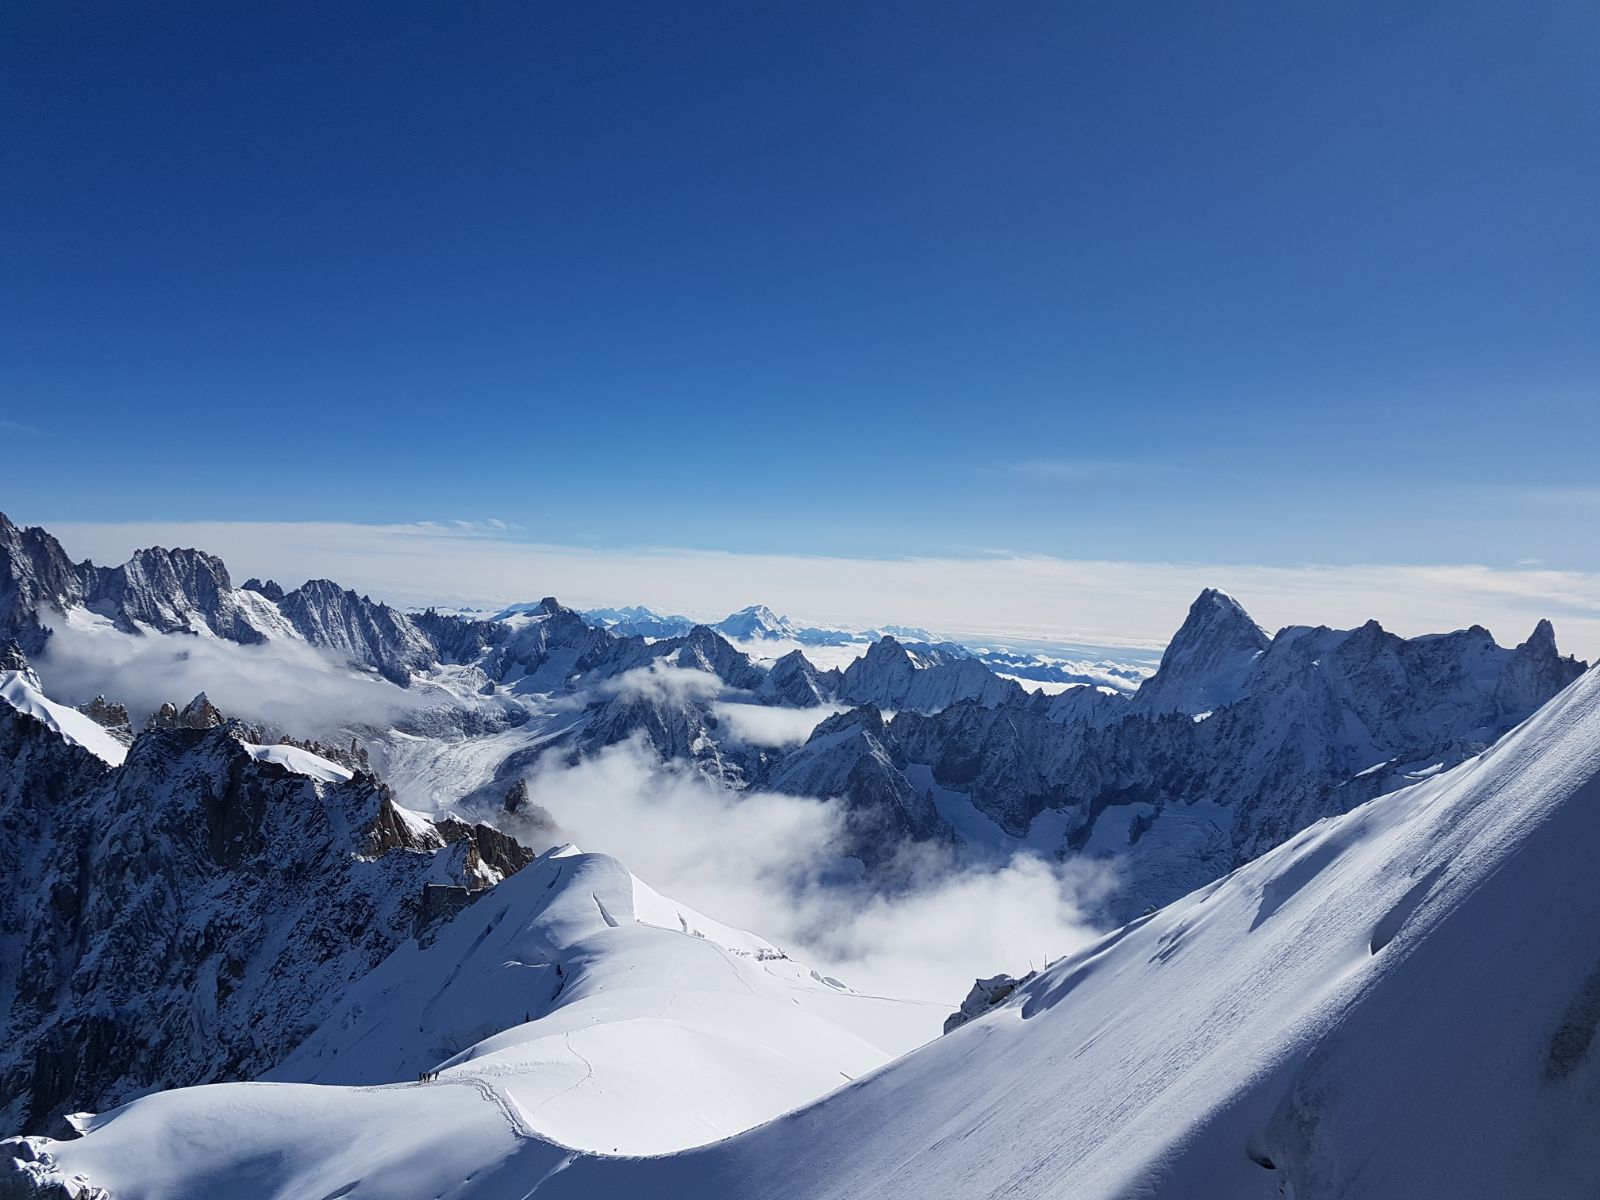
x=287, y=686
x=997, y=597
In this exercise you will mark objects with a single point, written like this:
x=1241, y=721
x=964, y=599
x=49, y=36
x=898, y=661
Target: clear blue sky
x=1248, y=282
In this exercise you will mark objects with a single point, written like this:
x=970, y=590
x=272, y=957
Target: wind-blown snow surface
x=1399, y=1002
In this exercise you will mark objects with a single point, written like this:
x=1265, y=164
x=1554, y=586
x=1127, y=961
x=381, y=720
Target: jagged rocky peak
x=35, y=575
x=199, y=713
x=703, y=649
x=1206, y=663
x=270, y=589
x=854, y=757
x=867, y=717
x=1536, y=671
x=365, y=632
x=923, y=678
x=111, y=717
x=795, y=681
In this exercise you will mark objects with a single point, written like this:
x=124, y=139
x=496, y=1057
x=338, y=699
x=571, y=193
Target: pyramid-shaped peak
x=1215, y=613
x=1543, y=637
x=1205, y=664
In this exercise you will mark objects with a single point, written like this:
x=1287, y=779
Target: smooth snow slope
x=612, y=1019
x=1400, y=1002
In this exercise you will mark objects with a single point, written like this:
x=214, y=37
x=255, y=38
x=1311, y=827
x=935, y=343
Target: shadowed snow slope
x=1399, y=1002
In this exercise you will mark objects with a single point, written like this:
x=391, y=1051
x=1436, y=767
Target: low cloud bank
x=772, y=726
x=769, y=863
x=285, y=685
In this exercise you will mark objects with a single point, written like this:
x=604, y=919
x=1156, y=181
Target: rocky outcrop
x=271, y=590
x=111, y=717
x=199, y=713
x=985, y=994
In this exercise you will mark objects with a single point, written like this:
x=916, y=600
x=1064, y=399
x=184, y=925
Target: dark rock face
x=272, y=591
x=516, y=797
x=190, y=916
x=486, y=847
x=368, y=633
x=35, y=576
x=853, y=757
x=704, y=649
x=440, y=902
x=458, y=640
x=794, y=682
x=11, y=656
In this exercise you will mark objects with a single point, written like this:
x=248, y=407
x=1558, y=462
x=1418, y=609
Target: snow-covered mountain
x=1236, y=742
x=1398, y=1002
x=185, y=909
x=922, y=679
x=1208, y=660
x=638, y=621
x=852, y=756
x=189, y=591
x=757, y=621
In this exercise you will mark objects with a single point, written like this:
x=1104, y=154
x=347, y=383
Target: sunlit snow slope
x=614, y=1019
x=572, y=1004
x=18, y=689
x=1401, y=1002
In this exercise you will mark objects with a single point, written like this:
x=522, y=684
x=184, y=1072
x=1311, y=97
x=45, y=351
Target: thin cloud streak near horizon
x=1001, y=598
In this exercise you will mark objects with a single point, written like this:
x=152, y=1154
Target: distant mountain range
x=192, y=897
x=1396, y=1003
